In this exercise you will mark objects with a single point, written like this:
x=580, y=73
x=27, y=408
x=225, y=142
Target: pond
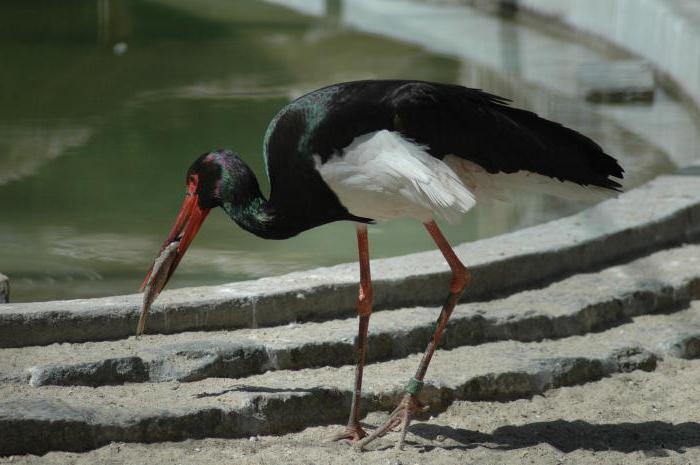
x=104, y=105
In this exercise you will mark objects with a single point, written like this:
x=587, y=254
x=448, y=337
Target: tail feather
x=483, y=128
x=566, y=154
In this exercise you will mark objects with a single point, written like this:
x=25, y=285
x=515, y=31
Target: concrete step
x=611, y=231
x=78, y=418
x=636, y=418
x=662, y=282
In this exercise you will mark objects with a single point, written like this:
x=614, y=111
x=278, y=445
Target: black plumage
x=447, y=119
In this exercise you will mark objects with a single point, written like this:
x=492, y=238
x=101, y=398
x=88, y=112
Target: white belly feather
x=381, y=175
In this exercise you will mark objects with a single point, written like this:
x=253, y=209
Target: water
x=104, y=105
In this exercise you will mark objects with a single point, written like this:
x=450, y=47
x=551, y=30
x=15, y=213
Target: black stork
x=373, y=150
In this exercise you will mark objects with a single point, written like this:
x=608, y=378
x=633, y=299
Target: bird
x=374, y=150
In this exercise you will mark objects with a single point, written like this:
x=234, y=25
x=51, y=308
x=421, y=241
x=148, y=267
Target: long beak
x=186, y=226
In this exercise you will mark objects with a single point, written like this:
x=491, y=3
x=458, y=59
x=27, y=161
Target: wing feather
x=482, y=128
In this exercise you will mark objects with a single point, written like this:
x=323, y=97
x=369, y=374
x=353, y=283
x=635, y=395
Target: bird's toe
x=349, y=433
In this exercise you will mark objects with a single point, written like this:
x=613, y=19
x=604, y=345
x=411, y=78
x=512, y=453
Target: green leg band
x=414, y=386
x=434, y=327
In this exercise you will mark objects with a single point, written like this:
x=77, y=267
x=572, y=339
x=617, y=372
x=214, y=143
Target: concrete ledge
x=659, y=214
x=663, y=282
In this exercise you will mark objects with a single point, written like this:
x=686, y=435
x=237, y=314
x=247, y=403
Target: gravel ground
x=631, y=418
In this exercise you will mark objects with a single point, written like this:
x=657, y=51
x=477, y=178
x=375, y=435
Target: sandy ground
x=632, y=418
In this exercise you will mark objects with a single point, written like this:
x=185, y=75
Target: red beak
x=186, y=226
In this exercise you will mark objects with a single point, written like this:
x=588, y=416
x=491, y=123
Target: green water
x=103, y=106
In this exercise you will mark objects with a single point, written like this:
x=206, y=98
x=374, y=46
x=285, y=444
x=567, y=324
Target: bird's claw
x=400, y=417
x=351, y=433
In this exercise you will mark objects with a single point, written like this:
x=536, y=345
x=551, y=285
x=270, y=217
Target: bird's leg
x=409, y=404
x=354, y=431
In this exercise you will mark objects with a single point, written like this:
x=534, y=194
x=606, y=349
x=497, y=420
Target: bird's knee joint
x=364, y=301
x=460, y=279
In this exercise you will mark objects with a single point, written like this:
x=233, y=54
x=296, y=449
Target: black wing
x=481, y=127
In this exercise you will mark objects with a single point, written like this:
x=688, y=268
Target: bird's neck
x=297, y=205
x=247, y=206
x=257, y=215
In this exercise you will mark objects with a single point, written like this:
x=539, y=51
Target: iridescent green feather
x=314, y=106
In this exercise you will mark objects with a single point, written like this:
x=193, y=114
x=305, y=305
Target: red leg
x=409, y=404
x=354, y=431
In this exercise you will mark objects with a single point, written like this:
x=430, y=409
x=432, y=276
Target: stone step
x=676, y=335
x=37, y=420
x=79, y=418
x=661, y=282
x=611, y=231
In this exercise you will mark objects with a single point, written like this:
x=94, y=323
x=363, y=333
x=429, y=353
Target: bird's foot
x=352, y=433
x=399, y=418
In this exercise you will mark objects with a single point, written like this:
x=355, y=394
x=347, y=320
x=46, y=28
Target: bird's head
x=214, y=178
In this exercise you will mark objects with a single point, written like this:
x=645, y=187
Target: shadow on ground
x=568, y=436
